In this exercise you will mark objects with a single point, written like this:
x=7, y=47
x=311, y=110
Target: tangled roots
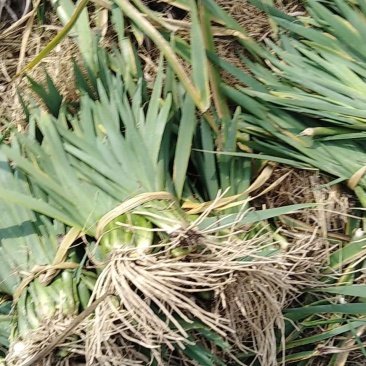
x=150, y=295
x=253, y=303
x=235, y=286
x=64, y=352
x=156, y=295
x=71, y=350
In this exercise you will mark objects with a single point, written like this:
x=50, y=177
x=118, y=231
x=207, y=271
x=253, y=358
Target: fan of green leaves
x=309, y=107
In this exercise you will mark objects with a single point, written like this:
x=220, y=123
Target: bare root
x=253, y=303
x=62, y=353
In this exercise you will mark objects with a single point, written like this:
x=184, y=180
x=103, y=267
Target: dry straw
x=19, y=44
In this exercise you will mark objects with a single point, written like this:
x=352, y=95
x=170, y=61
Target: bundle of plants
x=43, y=287
x=117, y=168
x=305, y=107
